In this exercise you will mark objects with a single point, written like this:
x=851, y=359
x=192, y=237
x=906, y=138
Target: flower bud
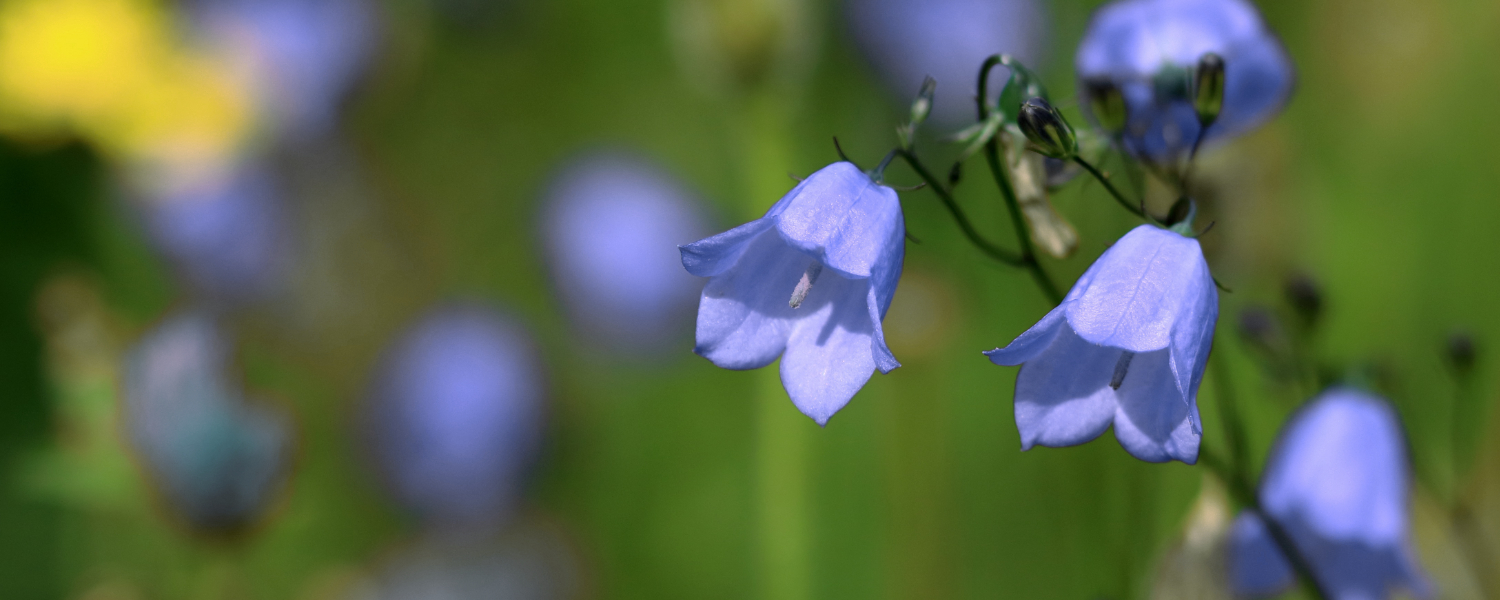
x=1107, y=103
x=1046, y=129
x=1208, y=88
x=1306, y=298
x=1461, y=351
x=922, y=106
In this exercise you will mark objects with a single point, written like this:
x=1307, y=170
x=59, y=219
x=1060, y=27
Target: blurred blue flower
x=813, y=279
x=1150, y=49
x=226, y=236
x=908, y=40
x=216, y=459
x=612, y=223
x=1339, y=483
x=304, y=55
x=455, y=416
x=1127, y=347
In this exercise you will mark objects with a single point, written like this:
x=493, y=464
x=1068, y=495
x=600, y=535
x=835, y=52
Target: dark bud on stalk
x=955, y=174
x=1107, y=103
x=1208, y=88
x=922, y=106
x=1306, y=298
x=1048, y=131
x=1260, y=329
x=1461, y=352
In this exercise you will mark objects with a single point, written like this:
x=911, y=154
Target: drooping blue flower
x=1127, y=346
x=1338, y=482
x=810, y=282
x=908, y=40
x=1150, y=49
x=612, y=224
x=226, y=236
x=454, y=417
x=216, y=458
x=304, y=56
x=528, y=561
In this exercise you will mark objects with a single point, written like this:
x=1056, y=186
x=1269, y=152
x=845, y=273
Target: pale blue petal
x=1063, y=396
x=828, y=357
x=883, y=279
x=1030, y=343
x=844, y=219
x=1341, y=465
x=1257, y=566
x=716, y=254
x=1138, y=290
x=1193, y=338
x=743, y=317
x=1152, y=422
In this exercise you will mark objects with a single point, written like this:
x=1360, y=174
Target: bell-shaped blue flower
x=226, y=235
x=1127, y=346
x=1150, y=50
x=303, y=56
x=612, y=224
x=909, y=40
x=810, y=282
x=454, y=418
x=216, y=458
x=1338, y=482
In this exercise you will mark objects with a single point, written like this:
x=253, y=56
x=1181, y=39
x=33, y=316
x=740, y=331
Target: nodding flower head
x=1127, y=347
x=809, y=282
x=1153, y=51
x=1338, y=482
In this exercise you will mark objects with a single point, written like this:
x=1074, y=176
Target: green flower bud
x=1047, y=130
x=922, y=106
x=1107, y=103
x=1208, y=88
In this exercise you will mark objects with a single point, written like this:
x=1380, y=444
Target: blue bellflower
x=1127, y=347
x=1150, y=48
x=1338, y=481
x=227, y=236
x=454, y=419
x=612, y=224
x=305, y=55
x=908, y=40
x=810, y=282
x=216, y=458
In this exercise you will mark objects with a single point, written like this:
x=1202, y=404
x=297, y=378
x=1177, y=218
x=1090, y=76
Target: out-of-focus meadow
x=261, y=260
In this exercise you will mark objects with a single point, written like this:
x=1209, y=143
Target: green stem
x=1137, y=209
x=989, y=248
x=1229, y=411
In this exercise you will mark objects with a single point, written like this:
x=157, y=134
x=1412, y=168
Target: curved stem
x=992, y=157
x=1242, y=490
x=1137, y=209
x=989, y=248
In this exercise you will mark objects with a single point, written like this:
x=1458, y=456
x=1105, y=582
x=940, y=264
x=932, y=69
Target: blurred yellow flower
x=110, y=71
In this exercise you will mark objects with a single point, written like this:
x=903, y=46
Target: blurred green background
x=675, y=479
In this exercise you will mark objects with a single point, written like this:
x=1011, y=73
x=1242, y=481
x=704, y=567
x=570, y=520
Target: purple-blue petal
x=1147, y=285
x=844, y=219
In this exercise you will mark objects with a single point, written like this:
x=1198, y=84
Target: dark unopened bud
x=1461, y=351
x=1306, y=298
x=1107, y=103
x=1259, y=327
x=1208, y=88
x=922, y=106
x=1046, y=129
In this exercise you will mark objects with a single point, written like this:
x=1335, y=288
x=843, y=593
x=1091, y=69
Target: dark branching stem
x=989, y=248
x=1013, y=206
x=1241, y=488
x=1136, y=208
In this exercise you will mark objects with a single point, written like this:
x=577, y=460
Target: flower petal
x=828, y=357
x=1139, y=290
x=1031, y=342
x=715, y=254
x=1063, y=396
x=743, y=317
x=1152, y=422
x=844, y=219
x=1256, y=566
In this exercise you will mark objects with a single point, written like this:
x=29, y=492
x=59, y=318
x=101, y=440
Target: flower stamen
x=804, y=285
